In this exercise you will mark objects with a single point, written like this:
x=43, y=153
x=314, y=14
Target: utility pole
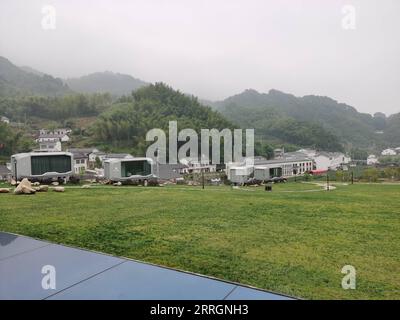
x=327, y=182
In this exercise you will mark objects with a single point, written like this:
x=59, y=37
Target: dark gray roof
x=288, y=157
x=79, y=155
x=81, y=150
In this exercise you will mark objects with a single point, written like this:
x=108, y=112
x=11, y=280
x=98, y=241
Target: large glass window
x=43, y=164
x=133, y=168
x=275, y=172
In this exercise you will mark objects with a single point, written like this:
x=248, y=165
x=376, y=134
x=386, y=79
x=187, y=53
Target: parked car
x=277, y=180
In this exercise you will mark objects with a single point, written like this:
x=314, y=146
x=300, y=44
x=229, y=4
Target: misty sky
x=218, y=48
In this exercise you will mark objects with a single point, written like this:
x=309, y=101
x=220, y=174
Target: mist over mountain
x=18, y=81
x=102, y=82
x=26, y=80
x=31, y=70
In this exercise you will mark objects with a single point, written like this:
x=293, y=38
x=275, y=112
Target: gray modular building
x=291, y=164
x=42, y=165
x=132, y=169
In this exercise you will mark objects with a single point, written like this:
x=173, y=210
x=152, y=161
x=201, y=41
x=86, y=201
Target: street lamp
x=295, y=172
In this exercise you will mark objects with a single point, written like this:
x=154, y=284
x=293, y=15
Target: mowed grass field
x=294, y=240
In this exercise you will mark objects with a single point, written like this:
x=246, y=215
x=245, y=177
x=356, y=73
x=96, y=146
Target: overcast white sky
x=217, y=48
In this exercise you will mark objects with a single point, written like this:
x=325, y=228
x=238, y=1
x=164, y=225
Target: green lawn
x=291, y=240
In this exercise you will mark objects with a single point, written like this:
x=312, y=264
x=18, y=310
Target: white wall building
x=50, y=146
x=290, y=165
x=372, y=159
x=326, y=160
x=97, y=154
x=239, y=174
x=5, y=120
x=389, y=152
x=51, y=140
x=59, y=131
x=195, y=166
x=80, y=163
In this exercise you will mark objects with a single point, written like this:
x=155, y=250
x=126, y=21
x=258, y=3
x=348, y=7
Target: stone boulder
x=59, y=189
x=4, y=190
x=24, y=187
x=43, y=188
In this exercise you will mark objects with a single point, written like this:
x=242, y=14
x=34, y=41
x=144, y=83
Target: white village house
x=389, y=152
x=85, y=158
x=330, y=160
x=81, y=158
x=97, y=154
x=287, y=165
x=326, y=160
x=60, y=131
x=50, y=146
x=4, y=119
x=372, y=159
x=50, y=140
x=80, y=163
x=196, y=166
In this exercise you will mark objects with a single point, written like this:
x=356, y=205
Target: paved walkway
x=81, y=274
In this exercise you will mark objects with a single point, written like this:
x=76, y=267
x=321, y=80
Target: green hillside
x=264, y=110
x=125, y=124
x=106, y=82
x=15, y=81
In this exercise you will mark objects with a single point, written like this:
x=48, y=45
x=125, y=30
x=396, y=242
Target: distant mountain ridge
x=16, y=81
x=353, y=128
x=278, y=117
x=31, y=70
x=25, y=80
x=102, y=82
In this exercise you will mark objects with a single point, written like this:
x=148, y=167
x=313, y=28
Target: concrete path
x=29, y=269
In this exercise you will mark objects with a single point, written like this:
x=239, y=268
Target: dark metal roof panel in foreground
x=82, y=274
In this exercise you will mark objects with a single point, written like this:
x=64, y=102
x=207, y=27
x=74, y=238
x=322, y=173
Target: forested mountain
x=391, y=133
x=277, y=109
x=13, y=141
x=23, y=81
x=22, y=109
x=15, y=81
x=125, y=125
x=127, y=108
x=102, y=82
x=31, y=70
